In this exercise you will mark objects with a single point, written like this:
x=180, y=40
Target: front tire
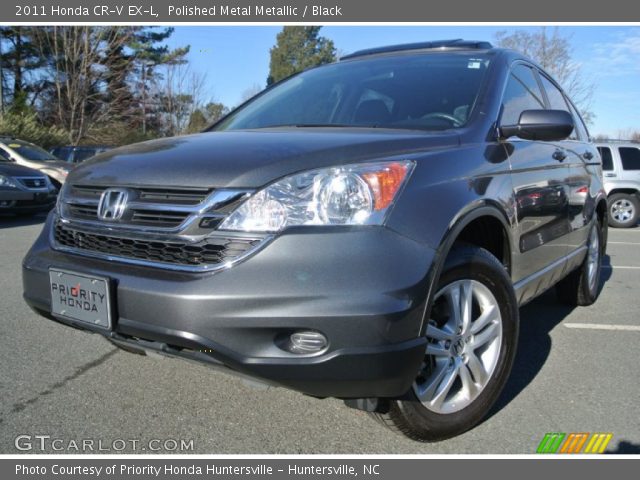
x=623, y=210
x=472, y=337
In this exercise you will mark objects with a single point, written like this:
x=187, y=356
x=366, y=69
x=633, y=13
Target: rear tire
x=582, y=286
x=624, y=209
x=476, y=357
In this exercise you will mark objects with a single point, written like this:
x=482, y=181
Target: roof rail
x=455, y=43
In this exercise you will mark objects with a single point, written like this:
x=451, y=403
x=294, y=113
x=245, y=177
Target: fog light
x=308, y=342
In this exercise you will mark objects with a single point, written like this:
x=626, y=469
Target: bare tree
x=179, y=93
x=553, y=52
x=78, y=72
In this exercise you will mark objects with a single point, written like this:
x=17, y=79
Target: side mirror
x=546, y=125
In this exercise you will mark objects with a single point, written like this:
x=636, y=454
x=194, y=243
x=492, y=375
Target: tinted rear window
x=630, y=158
x=607, y=160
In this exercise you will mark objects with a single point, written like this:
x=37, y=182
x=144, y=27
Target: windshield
x=426, y=91
x=30, y=151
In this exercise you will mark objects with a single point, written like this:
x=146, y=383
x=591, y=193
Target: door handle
x=587, y=155
x=610, y=175
x=559, y=155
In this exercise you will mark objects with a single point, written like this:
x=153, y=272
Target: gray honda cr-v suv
x=364, y=230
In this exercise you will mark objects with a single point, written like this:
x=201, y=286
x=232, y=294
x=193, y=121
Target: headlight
x=348, y=195
x=7, y=182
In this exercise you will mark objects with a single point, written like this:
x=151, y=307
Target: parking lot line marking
x=603, y=326
x=620, y=266
x=623, y=243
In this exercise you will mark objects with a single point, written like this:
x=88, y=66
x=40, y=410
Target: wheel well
x=489, y=233
x=628, y=191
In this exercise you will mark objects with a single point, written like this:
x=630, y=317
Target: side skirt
x=537, y=283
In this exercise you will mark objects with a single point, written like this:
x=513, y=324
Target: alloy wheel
x=464, y=337
x=622, y=210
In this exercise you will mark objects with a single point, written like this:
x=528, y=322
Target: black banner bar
x=290, y=468
x=315, y=11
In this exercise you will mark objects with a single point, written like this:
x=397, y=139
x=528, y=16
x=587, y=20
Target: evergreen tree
x=298, y=48
x=20, y=57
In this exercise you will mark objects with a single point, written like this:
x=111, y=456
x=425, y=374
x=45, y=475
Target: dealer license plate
x=80, y=297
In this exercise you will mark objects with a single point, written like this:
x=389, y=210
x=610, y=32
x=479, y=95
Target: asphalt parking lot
x=576, y=371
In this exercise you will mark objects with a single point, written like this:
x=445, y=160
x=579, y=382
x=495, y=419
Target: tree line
x=97, y=84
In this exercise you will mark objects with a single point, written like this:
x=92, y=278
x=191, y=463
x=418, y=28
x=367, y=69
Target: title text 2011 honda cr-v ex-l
x=364, y=230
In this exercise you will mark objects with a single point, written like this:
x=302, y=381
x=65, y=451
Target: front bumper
x=18, y=201
x=363, y=288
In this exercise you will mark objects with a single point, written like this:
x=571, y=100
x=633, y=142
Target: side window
x=607, y=160
x=556, y=99
x=3, y=155
x=580, y=128
x=522, y=93
x=630, y=158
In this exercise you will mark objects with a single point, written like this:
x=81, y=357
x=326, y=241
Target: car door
x=583, y=162
x=539, y=178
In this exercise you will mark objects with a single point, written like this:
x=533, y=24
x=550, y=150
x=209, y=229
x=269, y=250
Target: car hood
x=249, y=158
x=13, y=170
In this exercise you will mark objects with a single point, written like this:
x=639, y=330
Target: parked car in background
x=621, y=171
x=32, y=156
x=78, y=154
x=365, y=230
x=24, y=190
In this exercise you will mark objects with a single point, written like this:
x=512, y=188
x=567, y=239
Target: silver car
x=32, y=156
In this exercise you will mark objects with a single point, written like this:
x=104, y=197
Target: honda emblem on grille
x=113, y=204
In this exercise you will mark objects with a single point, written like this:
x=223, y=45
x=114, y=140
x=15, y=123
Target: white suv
x=621, y=170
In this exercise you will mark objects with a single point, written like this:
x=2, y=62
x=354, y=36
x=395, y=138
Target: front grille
x=213, y=251
x=87, y=191
x=89, y=212
x=36, y=183
x=156, y=207
x=158, y=219
x=176, y=196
